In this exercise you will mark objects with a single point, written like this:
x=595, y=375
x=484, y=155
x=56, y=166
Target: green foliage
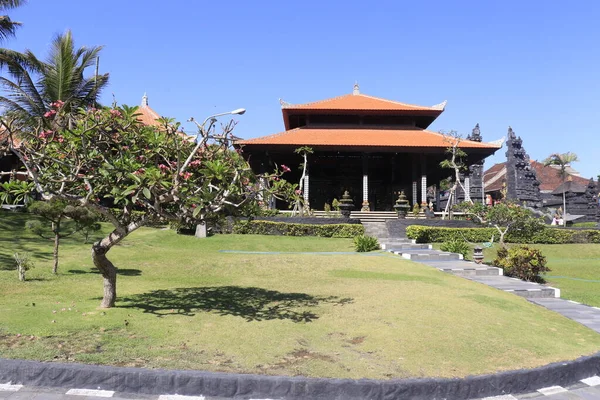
x=507, y=218
x=364, y=243
x=291, y=229
x=16, y=192
x=34, y=85
x=335, y=204
x=8, y=27
x=416, y=209
x=585, y=225
x=544, y=235
x=459, y=246
x=522, y=262
x=23, y=263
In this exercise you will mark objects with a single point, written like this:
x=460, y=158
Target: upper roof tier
x=360, y=105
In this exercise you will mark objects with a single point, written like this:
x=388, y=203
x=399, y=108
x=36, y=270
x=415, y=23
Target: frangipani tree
x=562, y=161
x=456, y=162
x=131, y=173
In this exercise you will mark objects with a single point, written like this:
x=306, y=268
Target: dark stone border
x=309, y=220
x=240, y=386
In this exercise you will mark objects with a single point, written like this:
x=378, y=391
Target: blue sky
x=533, y=65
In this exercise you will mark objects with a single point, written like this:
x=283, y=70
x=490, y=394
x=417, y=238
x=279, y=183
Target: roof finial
x=356, y=89
x=144, y=100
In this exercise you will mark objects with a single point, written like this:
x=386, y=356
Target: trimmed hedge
x=548, y=235
x=257, y=227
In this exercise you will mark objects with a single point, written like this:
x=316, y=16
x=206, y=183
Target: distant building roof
x=149, y=117
x=548, y=177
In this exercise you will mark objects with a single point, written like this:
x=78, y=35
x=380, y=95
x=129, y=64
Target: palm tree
x=33, y=85
x=8, y=27
x=563, y=161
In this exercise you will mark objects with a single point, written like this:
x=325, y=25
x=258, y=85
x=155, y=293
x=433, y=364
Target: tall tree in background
x=562, y=161
x=8, y=27
x=33, y=85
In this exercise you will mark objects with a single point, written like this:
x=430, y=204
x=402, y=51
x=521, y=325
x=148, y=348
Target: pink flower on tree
x=115, y=113
x=185, y=175
x=285, y=168
x=57, y=104
x=163, y=167
x=50, y=114
x=45, y=134
x=298, y=192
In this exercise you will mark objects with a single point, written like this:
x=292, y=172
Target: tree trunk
x=56, y=230
x=109, y=273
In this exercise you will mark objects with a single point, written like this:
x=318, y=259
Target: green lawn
x=183, y=303
x=575, y=270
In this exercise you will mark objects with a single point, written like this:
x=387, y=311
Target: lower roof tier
x=358, y=137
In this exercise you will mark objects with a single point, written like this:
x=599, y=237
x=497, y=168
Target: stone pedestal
x=201, y=231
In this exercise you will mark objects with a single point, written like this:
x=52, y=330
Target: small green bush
x=363, y=243
x=290, y=229
x=522, y=262
x=459, y=246
x=416, y=209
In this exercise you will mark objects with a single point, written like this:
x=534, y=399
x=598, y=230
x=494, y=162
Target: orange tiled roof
x=361, y=102
x=148, y=116
x=376, y=136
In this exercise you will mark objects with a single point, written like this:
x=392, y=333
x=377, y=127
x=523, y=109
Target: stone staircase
x=453, y=263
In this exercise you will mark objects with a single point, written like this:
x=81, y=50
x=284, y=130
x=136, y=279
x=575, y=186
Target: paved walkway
x=587, y=389
x=536, y=293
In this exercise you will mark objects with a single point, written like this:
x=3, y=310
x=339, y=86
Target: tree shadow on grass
x=250, y=303
x=7, y=260
x=120, y=271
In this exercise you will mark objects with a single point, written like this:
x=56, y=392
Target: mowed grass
x=575, y=270
x=185, y=304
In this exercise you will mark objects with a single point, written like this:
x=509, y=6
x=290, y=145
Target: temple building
x=371, y=147
x=537, y=185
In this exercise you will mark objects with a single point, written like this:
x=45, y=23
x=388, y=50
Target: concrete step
x=516, y=286
x=473, y=271
x=427, y=255
x=397, y=240
x=404, y=246
x=545, y=293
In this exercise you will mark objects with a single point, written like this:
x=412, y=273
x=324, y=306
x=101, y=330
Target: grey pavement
x=579, y=391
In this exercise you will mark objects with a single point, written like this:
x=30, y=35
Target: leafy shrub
x=543, y=235
x=363, y=243
x=459, y=246
x=522, y=262
x=290, y=229
x=24, y=263
x=416, y=209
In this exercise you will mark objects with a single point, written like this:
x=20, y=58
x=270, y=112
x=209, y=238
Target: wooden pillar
x=414, y=181
x=306, y=187
x=437, y=197
x=423, y=180
x=365, y=171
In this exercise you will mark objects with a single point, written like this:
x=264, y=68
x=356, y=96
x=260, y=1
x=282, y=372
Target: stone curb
x=241, y=386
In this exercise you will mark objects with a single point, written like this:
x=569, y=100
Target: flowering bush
x=522, y=262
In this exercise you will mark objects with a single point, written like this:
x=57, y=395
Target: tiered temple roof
x=360, y=122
